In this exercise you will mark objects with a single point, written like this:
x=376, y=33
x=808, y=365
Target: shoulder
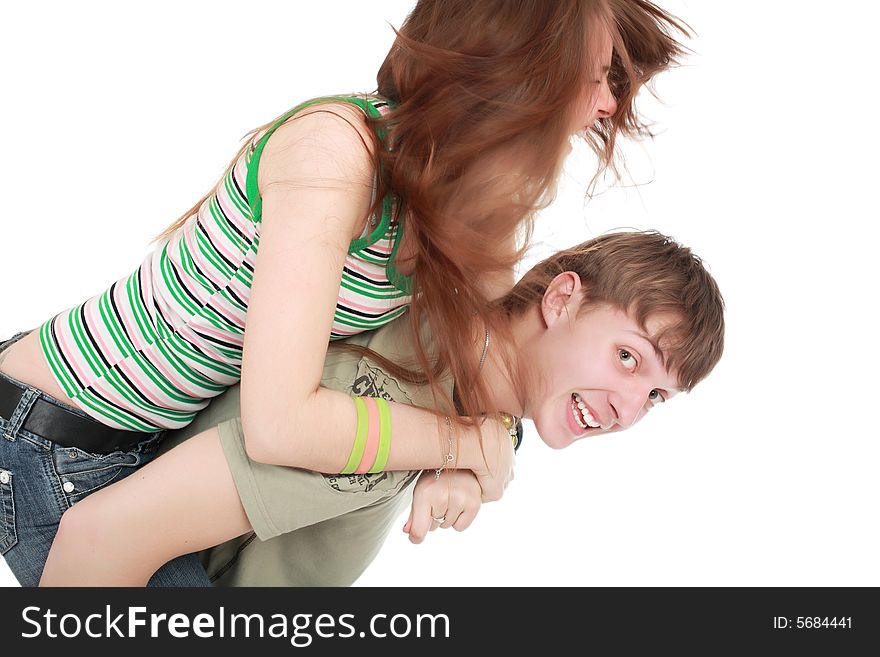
x=330, y=138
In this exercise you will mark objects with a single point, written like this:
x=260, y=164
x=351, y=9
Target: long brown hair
x=485, y=94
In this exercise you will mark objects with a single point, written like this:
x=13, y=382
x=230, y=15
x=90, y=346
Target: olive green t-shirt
x=312, y=529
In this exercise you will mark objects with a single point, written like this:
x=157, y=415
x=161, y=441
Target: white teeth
x=578, y=419
x=584, y=418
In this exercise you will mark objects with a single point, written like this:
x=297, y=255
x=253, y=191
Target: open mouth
x=581, y=413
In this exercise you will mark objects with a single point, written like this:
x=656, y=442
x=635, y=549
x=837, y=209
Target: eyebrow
x=652, y=342
x=657, y=351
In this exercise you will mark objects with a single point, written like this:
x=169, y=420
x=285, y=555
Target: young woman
x=598, y=335
x=331, y=220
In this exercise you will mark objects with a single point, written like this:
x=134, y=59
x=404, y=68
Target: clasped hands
x=454, y=498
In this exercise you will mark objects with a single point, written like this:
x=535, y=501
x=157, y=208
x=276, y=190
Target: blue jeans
x=41, y=479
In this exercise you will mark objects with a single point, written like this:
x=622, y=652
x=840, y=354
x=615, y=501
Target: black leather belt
x=65, y=427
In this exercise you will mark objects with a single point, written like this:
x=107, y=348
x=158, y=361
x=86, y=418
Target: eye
x=655, y=397
x=629, y=362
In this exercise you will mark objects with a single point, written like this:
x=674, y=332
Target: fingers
x=492, y=488
x=452, y=502
x=422, y=524
x=463, y=505
x=465, y=519
x=490, y=491
x=422, y=519
x=419, y=528
x=464, y=501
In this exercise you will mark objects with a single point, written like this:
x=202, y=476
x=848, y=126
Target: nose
x=606, y=103
x=629, y=407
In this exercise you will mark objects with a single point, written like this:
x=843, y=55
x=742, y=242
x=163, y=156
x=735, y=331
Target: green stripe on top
x=137, y=403
x=174, y=326
x=173, y=286
x=367, y=325
x=235, y=196
x=223, y=223
x=86, y=349
x=189, y=266
x=364, y=289
x=112, y=325
x=50, y=351
x=126, y=420
x=206, y=249
x=193, y=377
x=186, y=351
x=164, y=386
x=378, y=232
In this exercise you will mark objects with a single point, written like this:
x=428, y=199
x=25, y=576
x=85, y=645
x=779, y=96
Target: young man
x=586, y=343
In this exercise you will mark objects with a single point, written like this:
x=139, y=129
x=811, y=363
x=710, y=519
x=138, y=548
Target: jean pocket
x=8, y=535
x=81, y=473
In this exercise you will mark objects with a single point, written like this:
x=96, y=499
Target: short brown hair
x=645, y=274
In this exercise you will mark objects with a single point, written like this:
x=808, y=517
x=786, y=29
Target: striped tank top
x=151, y=351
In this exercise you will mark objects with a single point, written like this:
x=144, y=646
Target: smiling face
x=598, y=370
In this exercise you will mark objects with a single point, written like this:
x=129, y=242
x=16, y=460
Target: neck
x=498, y=368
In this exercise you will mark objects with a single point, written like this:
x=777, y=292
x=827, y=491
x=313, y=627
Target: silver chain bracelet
x=449, y=457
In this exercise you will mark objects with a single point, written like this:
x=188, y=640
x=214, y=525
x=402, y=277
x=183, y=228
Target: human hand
x=451, y=500
x=498, y=460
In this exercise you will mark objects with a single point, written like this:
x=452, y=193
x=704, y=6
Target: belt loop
x=19, y=415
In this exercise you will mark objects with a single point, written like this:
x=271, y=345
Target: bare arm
x=184, y=501
x=316, y=178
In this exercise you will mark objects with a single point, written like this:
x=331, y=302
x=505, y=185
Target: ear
x=561, y=298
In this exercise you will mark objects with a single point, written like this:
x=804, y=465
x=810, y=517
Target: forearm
x=319, y=434
x=184, y=501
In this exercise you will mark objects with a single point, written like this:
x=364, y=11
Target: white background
x=116, y=118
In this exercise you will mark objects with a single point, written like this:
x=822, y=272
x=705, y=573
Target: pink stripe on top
x=185, y=310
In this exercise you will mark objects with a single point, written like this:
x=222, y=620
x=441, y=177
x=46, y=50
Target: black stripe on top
x=355, y=274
